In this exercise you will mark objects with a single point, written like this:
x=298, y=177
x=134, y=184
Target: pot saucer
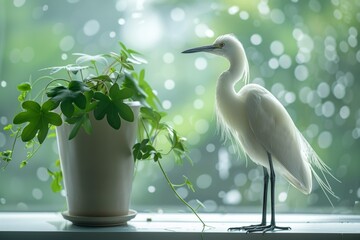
x=99, y=221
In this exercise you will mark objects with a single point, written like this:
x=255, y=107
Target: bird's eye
x=222, y=45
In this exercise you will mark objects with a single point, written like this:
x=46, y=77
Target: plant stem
x=178, y=196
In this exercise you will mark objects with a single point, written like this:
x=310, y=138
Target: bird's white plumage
x=258, y=123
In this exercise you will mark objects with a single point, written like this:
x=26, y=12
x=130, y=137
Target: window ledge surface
x=179, y=226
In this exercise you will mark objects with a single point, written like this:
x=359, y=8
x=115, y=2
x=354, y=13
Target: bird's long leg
x=262, y=227
x=272, y=225
x=263, y=220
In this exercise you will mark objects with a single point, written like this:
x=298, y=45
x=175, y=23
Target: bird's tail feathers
x=316, y=164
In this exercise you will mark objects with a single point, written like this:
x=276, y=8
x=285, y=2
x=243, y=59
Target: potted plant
x=96, y=112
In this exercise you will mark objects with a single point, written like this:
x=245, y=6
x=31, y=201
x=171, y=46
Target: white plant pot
x=98, y=170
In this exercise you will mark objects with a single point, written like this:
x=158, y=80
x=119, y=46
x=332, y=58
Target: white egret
x=255, y=120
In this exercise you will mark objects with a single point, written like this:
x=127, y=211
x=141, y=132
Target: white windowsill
x=179, y=226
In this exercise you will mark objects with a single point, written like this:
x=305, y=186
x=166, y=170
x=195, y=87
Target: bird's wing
x=275, y=131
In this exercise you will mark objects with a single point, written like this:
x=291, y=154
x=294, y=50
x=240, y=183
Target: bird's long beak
x=208, y=48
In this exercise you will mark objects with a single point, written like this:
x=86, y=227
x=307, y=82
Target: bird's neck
x=239, y=67
x=226, y=96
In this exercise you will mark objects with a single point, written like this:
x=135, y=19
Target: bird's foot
x=258, y=228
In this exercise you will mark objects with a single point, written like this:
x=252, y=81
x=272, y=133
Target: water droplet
x=204, y=181
x=91, y=27
x=177, y=14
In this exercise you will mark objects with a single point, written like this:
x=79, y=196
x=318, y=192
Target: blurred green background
x=305, y=52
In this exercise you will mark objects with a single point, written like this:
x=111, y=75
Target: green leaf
x=189, y=184
x=125, y=111
x=23, y=163
x=24, y=87
x=102, y=107
x=75, y=129
x=49, y=105
x=6, y=155
x=70, y=96
x=67, y=107
x=112, y=117
x=56, y=180
x=40, y=119
x=113, y=107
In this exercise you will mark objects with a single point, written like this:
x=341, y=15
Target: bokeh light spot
x=91, y=27
x=169, y=84
x=325, y=139
x=256, y=39
x=67, y=43
x=204, y=181
x=177, y=14
x=200, y=63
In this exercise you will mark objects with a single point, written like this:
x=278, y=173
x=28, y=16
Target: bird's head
x=224, y=45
